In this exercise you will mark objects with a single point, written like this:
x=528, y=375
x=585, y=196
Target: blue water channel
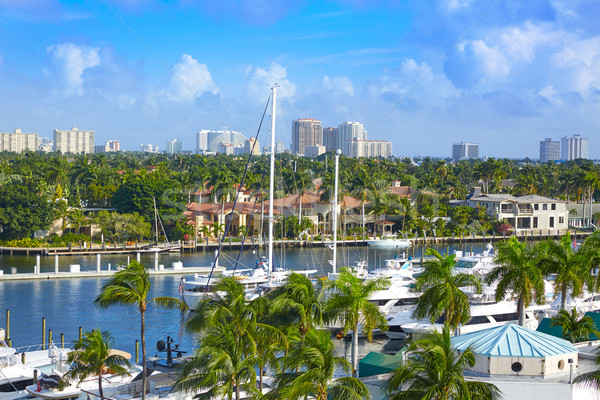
x=68, y=304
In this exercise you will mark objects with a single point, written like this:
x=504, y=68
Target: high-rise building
x=574, y=147
x=369, y=148
x=549, y=150
x=330, y=139
x=174, y=146
x=252, y=146
x=45, y=145
x=210, y=141
x=306, y=132
x=112, y=146
x=348, y=131
x=463, y=150
x=18, y=141
x=280, y=148
x=74, y=141
x=314, y=151
x=149, y=148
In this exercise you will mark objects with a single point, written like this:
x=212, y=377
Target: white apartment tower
x=348, y=131
x=174, y=146
x=369, y=148
x=306, y=132
x=18, y=141
x=74, y=141
x=574, y=147
x=219, y=141
x=465, y=150
x=549, y=150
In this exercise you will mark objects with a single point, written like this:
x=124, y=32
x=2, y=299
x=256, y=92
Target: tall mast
x=272, y=175
x=335, y=203
x=155, y=219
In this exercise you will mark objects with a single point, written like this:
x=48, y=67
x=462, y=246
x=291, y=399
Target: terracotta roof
x=242, y=207
x=402, y=191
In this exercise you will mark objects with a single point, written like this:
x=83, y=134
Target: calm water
x=68, y=304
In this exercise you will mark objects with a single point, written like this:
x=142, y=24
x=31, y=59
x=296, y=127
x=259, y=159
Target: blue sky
x=147, y=71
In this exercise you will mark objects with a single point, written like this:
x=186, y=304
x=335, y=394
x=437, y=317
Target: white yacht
x=485, y=315
x=389, y=241
x=16, y=375
x=477, y=264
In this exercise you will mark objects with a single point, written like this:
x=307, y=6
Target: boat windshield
x=465, y=264
x=8, y=360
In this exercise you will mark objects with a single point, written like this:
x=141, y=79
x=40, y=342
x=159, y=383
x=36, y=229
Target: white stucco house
x=530, y=213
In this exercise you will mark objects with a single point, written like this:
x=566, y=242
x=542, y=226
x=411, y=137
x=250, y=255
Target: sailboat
x=263, y=275
x=158, y=247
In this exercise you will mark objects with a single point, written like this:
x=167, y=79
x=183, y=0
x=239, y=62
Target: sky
x=421, y=73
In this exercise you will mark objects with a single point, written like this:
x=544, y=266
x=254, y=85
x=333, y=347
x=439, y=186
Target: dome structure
x=515, y=350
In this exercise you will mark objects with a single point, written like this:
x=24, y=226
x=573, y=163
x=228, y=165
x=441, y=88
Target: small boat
x=15, y=375
x=477, y=264
x=158, y=247
x=389, y=241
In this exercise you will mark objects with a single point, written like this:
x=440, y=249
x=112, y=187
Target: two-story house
x=531, y=213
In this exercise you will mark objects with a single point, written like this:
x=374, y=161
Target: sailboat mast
x=155, y=219
x=335, y=203
x=272, y=174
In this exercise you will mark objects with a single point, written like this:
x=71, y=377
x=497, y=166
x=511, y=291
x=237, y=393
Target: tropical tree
x=434, y=370
x=349, y=304
x=441, y=291
x=92, y=355
x=298, y=302
x=131, y=286
x=518, y=274
x=570, y=267
x=235, y=341
x=309, y=368
x=589, y=379
x=575, y=329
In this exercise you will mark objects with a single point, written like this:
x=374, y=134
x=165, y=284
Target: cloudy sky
x=423, y=74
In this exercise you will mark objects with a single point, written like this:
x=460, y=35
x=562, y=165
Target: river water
x=68, y=304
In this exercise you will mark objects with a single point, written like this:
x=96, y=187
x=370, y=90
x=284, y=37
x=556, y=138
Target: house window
x=536, y=207
x=561, y=220
x=553, y=207
x=551, y=222
x=544, y=207
x=535, y=222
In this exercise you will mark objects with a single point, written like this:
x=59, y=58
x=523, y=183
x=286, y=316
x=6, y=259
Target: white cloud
x=578, y=64
x=260, y=79
x=73, y=61
x=191, y=80
x=338, y=85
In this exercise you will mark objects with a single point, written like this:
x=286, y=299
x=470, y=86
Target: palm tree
x=442, y=294
x=360, y=189
x=570, y=267
x=131, y=286
x=435, y=371
x=298, y=302
x=518, y=273
x=92, y=355
x=235, y=341
x=349, y=304
x=589, y=379
x=309, y=368
x=574, y=328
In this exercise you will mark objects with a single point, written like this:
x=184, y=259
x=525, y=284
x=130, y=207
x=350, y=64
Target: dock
x=104, y=273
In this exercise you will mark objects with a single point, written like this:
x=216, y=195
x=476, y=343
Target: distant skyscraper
x=348, y=131
x=549, y=150
x=211, y=141
x=572, y=148
x=149, y=148
x=330, y=139
x=18, y=141
x=252, y=146
x=174, y=146
x=464, y=150
x=279, y=148
x=314, y=151
x=74, y=141
x=306, y=132
x=369, y=148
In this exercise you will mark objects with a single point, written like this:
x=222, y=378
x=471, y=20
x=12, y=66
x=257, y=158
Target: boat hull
x=388, y=243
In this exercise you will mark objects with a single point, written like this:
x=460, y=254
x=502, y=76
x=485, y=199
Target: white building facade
x=369, y=148
x=532, y=213
x=347, y=132
x=464, y=150
x=18, y=141
x=574, y=147
x=549, y=150
x=73, y=141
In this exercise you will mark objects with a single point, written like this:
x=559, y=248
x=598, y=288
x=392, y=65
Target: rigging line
x=237, y=195
x=438, y=61
x=163, y=62
x=249, y=220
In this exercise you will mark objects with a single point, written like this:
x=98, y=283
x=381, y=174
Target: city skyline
x=525, y=71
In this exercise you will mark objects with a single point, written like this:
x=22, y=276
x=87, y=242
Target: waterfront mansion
x=533, y=213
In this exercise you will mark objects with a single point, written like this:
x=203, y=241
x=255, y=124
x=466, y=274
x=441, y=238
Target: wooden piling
x=80, y=333
x=44, y=333
x=62, y=340
x=7, y=323
x=49, y=337
x=137, y=351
